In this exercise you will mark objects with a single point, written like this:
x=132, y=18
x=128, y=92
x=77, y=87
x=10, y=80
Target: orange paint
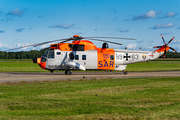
x=105, y=59
x=41, y=64
x=38, y=60
x=162, y=49
x=88, y=45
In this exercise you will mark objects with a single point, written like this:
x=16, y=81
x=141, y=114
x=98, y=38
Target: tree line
x=22, y=54
x=35, y=53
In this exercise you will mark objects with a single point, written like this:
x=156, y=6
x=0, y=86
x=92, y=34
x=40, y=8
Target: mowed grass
x=132, y=98
x=155, y=65
x=20, y=66
x=29, y=66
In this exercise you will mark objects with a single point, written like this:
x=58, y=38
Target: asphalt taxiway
x=59, y=76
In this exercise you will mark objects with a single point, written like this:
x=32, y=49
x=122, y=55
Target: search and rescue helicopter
x=84, y=55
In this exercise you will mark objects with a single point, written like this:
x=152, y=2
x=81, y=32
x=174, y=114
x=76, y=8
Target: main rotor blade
x=157, y=47
x=37, y=44
x=106, y=41
x=173, y=49
x=163, y=39
x=171, y=40
x=109, y=38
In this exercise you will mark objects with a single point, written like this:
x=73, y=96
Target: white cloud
x=170, y=14
x=175, y=41
x=122, y=31
x=132, y=46
x=63, y=26
x=163, y=26
x=150, y=14
x=150, y=47
x=16, y=12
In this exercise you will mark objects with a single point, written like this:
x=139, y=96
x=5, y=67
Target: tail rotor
x=165, y=46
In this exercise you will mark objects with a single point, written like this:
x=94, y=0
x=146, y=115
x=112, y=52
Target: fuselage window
x=58, y=53
x=51, y=54
x=76, y=57
x=83, y=57
x=71, y=56
x=111, y=57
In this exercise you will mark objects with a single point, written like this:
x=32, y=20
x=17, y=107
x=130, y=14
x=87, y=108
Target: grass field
x=132, y=98
x=28, y=66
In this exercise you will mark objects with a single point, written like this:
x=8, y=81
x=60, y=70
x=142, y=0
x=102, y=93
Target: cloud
x=150, y=14
x=19, y=29
x=80, y=33
x=163, y=26
x=6, y=19
x=151, y=41
x=132, y=46
x=16, y=12
x=63, y=26
x=150, y=47
x=166, y=33
x=141, y=41
x=123, y=31
x=4, y=46
x=2, y=31
x=175, y=41
x=114, y=11
x=170, y=14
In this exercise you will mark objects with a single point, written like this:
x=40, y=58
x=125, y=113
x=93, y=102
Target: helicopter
x=83, y=55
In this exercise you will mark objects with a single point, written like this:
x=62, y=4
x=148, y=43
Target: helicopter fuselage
x=84, y=57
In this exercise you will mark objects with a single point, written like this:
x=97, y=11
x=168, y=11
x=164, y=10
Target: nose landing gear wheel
x=67, y=72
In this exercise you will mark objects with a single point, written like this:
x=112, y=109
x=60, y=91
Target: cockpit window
x=51, y=54
x=45, y=54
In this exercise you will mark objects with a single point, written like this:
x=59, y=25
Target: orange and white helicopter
x=84, y=55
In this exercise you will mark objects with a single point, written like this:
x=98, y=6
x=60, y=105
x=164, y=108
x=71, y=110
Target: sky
x=24, y=22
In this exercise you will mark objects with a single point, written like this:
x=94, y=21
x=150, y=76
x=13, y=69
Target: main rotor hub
x=77, y=37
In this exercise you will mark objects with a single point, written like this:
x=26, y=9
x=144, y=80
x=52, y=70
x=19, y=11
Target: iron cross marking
x=127, y=56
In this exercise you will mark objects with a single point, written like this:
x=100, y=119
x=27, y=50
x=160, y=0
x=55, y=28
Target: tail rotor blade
x=163, y=39
x=173, y=49
x=165, y=52
x=171, y=40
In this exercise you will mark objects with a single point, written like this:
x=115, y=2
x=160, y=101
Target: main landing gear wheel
x=67, y=72
x=51, y=71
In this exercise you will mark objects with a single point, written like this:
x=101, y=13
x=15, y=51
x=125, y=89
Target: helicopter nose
x=42, y=62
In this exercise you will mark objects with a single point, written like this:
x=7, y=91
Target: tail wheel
x=125, y=72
